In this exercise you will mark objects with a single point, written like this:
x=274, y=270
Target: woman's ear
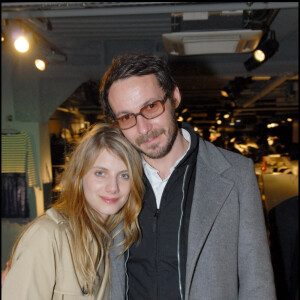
x=176, y=97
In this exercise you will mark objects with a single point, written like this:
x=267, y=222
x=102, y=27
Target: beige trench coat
x=42, y=267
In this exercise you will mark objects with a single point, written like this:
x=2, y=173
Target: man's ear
x=176, y=97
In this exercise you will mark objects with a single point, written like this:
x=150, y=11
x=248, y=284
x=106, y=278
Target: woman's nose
x=112, y=186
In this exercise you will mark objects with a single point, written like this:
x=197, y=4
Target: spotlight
x=230, y=92
x=263, y=52
x=266, y=49
x=184, y=110
x=41, y=64
x=3, y=37
x=234, y=87
x=21, y=44
x=225, y=92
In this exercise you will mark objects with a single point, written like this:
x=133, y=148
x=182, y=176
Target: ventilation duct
x=211, y=42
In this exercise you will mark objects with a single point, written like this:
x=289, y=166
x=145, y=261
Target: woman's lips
x=109, y=200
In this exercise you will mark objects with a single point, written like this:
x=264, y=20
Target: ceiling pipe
x=68, y=10
x=274, y=84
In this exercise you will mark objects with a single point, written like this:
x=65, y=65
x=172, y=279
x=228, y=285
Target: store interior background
x=54, y=107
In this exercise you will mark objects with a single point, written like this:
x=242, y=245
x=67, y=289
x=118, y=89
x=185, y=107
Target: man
x=202, y=223
x=203, y=230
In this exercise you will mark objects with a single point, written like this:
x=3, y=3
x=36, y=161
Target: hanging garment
x=17, y=172
x=14, y=203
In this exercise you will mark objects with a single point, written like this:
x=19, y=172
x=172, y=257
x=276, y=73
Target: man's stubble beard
x=159, y=152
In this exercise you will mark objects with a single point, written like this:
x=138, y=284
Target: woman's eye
x=125, y=176
x=99, y=173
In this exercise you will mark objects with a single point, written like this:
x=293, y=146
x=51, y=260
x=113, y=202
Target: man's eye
x=151, y=106
x=126, y=117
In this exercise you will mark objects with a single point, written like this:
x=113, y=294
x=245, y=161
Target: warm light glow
x=189, y=119
x=219, y=122
x=184, y=110
x=180, y=119
x=21, y=44
x=40, y=64
x=259, y=55
x=2, y=38
x=226, y=116
x=289, y=119
x=196, y=128
x=224, y=93
x=272, y=125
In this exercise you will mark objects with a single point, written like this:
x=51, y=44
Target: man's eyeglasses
x=149, y=111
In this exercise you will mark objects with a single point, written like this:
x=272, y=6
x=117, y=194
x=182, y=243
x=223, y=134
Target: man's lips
x=149, y=138
x=149, y=141
x=109, y=200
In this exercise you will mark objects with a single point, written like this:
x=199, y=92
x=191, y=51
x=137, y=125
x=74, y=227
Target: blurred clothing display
x=17, y=172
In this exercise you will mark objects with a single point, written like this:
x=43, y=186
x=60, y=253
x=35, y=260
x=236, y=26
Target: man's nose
x=143, y=125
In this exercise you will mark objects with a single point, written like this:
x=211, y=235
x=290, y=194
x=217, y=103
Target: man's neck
x=164, y=164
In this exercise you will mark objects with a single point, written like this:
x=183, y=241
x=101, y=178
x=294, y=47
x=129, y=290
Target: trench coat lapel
x=210, y=192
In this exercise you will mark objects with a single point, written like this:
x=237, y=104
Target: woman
x=64, y=254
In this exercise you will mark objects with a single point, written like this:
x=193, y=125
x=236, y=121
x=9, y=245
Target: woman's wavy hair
x=91, y=239
x=135, y=64
x=83, y=219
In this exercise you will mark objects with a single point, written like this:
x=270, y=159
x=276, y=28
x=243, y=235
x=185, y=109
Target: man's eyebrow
x=147, y=102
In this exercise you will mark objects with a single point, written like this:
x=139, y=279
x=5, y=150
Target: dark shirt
x=156, y=266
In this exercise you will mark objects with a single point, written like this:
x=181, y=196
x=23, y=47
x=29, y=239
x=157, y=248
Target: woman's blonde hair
x=92, y=239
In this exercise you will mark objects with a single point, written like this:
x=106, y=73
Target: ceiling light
x=3, y=38
x=180, y=119
x=21, y=44
x=225, y=93
x=184, y=110
x=41, y=64
x=234, y=87
x=265, y=50
x=226, y=116
x=272, y=125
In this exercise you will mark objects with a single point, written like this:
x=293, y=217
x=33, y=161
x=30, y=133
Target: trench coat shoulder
x=38, y=247
x=42, y=231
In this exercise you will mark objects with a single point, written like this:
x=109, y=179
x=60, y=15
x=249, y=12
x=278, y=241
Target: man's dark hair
x=135, y=64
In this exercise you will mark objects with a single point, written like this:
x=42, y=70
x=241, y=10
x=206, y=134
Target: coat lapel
x=210, y=192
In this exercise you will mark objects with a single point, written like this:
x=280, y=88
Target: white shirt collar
x=150, y=171
x=158, y=185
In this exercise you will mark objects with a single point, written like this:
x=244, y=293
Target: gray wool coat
x=228, y=254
